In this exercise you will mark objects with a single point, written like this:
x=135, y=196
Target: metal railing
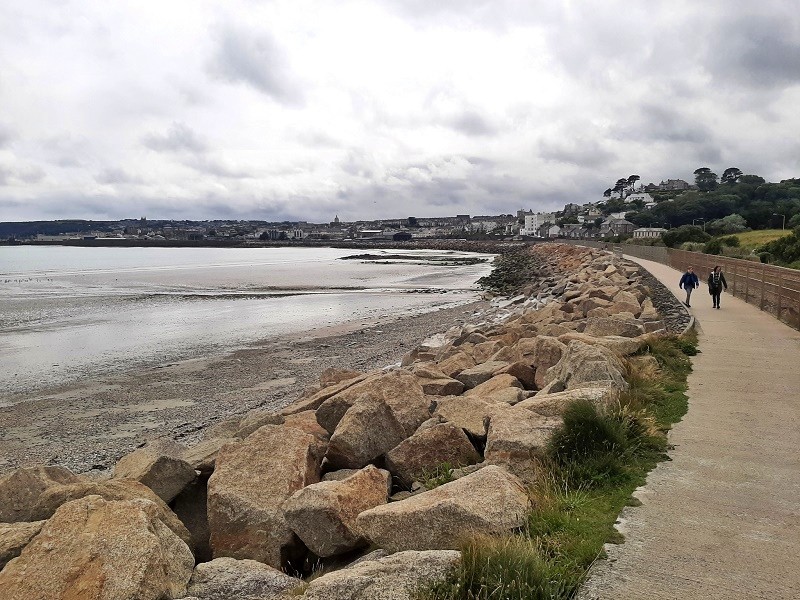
x=775, y=290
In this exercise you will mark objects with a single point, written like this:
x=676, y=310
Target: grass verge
x=753, y=239
x=593, y=465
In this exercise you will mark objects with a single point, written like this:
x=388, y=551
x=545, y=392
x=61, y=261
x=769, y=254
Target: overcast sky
x=306, y=109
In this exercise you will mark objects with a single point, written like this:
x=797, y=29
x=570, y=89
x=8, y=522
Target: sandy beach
x=87, y=426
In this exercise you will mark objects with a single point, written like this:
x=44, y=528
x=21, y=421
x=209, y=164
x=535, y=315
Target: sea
x=70, y=313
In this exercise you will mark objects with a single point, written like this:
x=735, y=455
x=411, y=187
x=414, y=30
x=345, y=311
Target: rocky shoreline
x=340, y=478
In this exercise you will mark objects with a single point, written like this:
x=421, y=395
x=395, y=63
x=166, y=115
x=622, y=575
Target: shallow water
x=67, y=313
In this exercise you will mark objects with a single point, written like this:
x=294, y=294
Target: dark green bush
x=731, y=241
x=685, y=233
x=713, y=246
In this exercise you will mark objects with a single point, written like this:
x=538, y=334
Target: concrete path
x=722, y=519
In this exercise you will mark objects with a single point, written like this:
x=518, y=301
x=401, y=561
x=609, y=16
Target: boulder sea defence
x=407, y=461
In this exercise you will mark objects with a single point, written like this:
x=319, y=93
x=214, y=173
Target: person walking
x=716, y=281
x=689, y=282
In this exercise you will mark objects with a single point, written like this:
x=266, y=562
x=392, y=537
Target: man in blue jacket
x=689, y=281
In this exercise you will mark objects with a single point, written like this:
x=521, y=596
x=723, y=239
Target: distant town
x=591, y=220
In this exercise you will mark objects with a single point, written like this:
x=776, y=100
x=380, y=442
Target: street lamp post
x=783, y=224
x=703, y=220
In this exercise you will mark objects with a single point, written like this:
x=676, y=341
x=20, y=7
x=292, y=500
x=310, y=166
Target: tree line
x=744, y=201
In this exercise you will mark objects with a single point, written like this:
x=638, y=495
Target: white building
x=535, y=221
x=643, y=196
x=649, y=232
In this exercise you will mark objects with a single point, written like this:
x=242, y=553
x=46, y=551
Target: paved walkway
x=722, y=519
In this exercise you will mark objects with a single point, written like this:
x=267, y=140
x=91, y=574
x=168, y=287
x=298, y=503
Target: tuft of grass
x=439, y=475
x=504, y=568
x=593, y=465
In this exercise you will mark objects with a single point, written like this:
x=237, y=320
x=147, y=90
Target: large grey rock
x=489, y=501
x=230, y=579
x=553, y=405
x=547, y=351
x=509, y=395
x=367, y=430
x=523, y=372
x=467, y=412
x=489, y=387
x=202, y=456
x=20, y=490
x=93, y=548
x=112, y=490
x=314, y=401
x=399, y=390
x=436, y=383
x=600, y=326
x=453, y=365
x=246, y=493
x=517, y=438
x=429, y=448
x=323, y=514
x=164, y=473
x=623, y=346
x=583, y=363
x=255, y=420
x=476, y=375
x=395, y=577
x=14, y=537
x=332, y=376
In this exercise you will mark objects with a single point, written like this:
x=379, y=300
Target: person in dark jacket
x=716, y=281
x=689, y=281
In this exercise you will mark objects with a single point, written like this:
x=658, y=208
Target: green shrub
x=692, y=246
x=784, y=250
x=685, y=233
x=713, y=246
x=593, y=445
x=731, y=241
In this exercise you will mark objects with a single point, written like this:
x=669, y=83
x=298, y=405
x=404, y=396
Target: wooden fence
x=775, y=290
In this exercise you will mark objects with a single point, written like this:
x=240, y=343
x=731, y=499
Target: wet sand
x=88, y=425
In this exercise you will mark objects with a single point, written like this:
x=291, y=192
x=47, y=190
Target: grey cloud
x=10, y=174
x=178, y=138
x=579, y=151
x=218, y=168
x=116, y=175
x=257, y=60
x=756, y=50
x=67, y=150
x=473, y=124
x=318, y=139
x=358, y=164
x=7, y=135
x=654, y=123
x=31, y=174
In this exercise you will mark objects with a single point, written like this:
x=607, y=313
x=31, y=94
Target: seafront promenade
x=722, y=518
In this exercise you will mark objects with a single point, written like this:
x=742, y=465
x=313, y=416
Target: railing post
x=763, y=285
x=746, y=281
x=780, y=293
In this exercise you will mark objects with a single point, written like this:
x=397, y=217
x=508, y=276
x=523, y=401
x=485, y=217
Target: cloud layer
x=303, y=109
